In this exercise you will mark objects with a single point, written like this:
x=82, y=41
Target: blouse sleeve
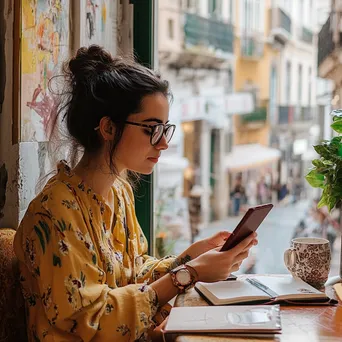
x=151, y=268
x=71, y=283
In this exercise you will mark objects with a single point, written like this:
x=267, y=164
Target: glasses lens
x=157, y=134
x=169, y=132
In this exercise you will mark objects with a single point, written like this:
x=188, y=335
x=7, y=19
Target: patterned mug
x=309, y=259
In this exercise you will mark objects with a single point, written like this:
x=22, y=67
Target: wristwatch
x=183, y=278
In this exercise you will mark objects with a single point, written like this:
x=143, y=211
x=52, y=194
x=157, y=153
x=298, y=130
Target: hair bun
x=90, y=62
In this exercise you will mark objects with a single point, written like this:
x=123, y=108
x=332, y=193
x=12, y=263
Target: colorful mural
x=44, y=46
x=98, y=23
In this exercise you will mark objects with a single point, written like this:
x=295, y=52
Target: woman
x=84, y=269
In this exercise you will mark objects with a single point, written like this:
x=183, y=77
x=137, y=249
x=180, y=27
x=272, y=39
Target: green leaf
x=315, y=179
x=337, y=125
x=322, y=202
x=40, y=237
x=56, y=260
x=323, y=151
x=336, y=114
x=331, y=202
x=336, y=140
x=318, y=163
x=94, y=259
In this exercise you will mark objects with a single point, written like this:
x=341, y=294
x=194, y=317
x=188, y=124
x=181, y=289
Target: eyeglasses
x=156, y=131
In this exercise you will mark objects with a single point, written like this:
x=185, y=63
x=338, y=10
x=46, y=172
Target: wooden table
x=299, y=323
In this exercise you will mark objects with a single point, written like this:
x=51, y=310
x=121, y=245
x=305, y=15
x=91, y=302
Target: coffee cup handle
x=289, y=259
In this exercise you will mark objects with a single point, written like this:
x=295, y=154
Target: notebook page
x=233, y=289
x=288, y=286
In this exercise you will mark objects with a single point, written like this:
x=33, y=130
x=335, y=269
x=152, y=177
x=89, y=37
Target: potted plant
x=326, y=174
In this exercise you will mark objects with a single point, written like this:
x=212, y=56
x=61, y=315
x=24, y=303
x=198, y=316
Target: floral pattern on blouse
x=84, y=269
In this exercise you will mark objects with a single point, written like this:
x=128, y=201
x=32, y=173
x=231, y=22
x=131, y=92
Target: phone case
x=248, y=224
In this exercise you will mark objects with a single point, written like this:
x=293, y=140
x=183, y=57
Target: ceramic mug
x=309, y=259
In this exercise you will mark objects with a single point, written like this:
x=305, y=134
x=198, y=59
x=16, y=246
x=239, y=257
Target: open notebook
x=262, y=289
x=224, y=320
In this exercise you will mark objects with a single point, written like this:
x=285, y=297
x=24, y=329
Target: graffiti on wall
x=98, y=23
x=44, y=46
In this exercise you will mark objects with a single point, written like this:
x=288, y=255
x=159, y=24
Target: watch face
x=183, y=277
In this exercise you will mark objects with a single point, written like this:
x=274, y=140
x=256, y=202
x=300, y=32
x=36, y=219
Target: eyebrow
x=156, y=120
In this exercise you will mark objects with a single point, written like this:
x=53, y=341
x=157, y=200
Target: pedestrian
x=85, y=274
x=238, y=195
x=195, y=210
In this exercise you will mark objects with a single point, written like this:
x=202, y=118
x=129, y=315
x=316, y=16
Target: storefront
x=255, y=167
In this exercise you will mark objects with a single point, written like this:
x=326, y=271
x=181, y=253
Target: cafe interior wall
x=24, y=164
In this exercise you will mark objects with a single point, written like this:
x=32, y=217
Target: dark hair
x=99, y=85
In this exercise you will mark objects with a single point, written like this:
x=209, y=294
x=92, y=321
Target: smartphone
x=248, y=224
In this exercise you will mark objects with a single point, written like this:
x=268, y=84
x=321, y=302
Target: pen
x=262, y=287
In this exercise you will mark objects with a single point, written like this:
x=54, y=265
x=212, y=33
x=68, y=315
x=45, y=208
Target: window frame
x=144, y=30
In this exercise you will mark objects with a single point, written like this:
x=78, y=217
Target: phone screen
x=248, y=224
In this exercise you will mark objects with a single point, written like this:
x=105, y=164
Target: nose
x=163, y=144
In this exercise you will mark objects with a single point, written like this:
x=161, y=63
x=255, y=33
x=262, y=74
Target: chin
x=143, y=170
x=146, y=171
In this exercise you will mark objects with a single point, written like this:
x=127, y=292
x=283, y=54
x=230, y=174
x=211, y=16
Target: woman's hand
x=205, y=245
x=214, y=265
x=157, y=334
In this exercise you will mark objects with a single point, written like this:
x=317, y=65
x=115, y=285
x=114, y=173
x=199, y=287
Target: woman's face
x=134, y=151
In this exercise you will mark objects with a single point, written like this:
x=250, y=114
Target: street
x=274, y=237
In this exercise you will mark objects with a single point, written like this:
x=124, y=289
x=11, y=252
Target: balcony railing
x=208, y=33
x=284, y=21
x=306, y=35
x=281, y=24
x=259, y=115
x=285, y=115
x=251, y=47
x=293, y=115
x=304, y=114
x=325, y=42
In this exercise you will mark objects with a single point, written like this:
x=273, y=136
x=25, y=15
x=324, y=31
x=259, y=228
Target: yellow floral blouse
x=84, y=269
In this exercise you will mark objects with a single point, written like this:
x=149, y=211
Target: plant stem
x=341, y=242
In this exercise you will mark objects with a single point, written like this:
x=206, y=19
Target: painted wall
x=254, y=72
x=27, y=165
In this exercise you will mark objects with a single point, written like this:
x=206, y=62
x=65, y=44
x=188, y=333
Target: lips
x=153, y=159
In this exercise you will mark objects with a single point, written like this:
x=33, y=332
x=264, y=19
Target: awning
x=250, y=156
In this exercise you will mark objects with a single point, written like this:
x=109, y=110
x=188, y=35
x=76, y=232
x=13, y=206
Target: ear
x=107, y=128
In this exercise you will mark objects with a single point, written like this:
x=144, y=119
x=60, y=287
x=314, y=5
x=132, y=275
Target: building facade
x=196, y=54
x=329, y=62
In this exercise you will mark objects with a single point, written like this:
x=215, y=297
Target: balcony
x=208, y=35
x=329, y=49
x=325, y=42
x=298, y=117
x=304, y=114
x=281, y=25
x=259, y=116
x=285, y=115
x=251, y=47
x=306, y=35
